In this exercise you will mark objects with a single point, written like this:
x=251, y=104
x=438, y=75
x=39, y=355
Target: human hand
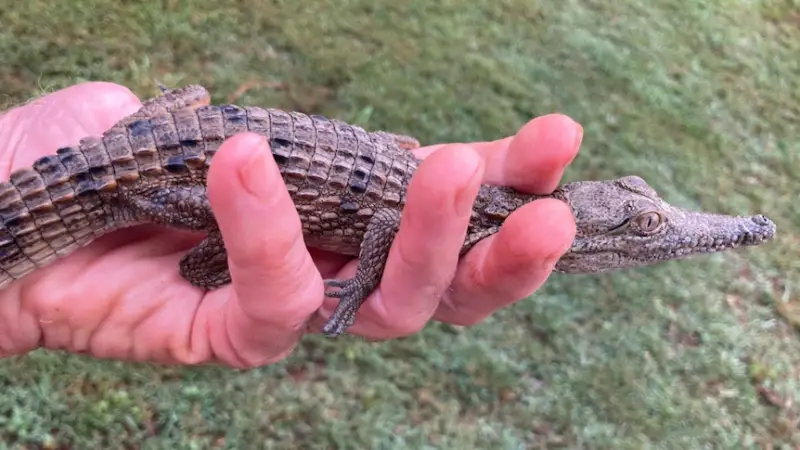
x=122, y=297
x=424, y=279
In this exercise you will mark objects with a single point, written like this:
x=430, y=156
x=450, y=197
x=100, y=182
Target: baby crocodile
x=349, y=187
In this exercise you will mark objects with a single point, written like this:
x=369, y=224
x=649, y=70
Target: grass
x=700, y=98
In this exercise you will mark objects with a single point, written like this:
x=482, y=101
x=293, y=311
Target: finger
x=510, y=265
x=534, y=159
x=424, y=254
x=95, y=106
x=275, y=282
x=262, y=231
x=537, y=156
x=63, y=118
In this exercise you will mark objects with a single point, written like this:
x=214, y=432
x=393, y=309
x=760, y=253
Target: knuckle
x=464, y=314
x=282, y=343
x=473, y=285
x=248, y=363
x=105, y=345
x=48, y=307
x=264, y=294
x=413, y=318
x=406, y=327
x=468, y=319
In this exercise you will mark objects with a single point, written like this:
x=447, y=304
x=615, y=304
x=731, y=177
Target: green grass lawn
x=701, y=98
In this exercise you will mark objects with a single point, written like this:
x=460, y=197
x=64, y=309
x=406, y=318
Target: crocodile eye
x=648, y=221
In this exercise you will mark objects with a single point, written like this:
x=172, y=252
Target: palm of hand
x=122, y=296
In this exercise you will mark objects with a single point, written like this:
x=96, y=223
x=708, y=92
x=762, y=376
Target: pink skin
x=122, y=296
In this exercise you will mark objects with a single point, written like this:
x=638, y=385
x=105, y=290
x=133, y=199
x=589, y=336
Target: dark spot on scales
x=176, y=164
x=85, y=187
x=13, y=221
x=69, y=158
x=349, y=207
x=64, y=150
x=140, y=127
x=98, y=171
x=238, y=120
x=50, y=168
x=234, y=114
x=82, y=177
x=279, y=149
x=358, y=187
x=369, y=159
x=46, y=160
x=189, y=142
x=358, y=181
x=279, y=142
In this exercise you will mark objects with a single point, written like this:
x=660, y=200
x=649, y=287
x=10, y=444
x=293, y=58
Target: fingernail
x=255, y=170
x=578, y=137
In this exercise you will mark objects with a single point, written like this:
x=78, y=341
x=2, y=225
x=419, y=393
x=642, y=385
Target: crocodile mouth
x=744, y=231
x=705, y=233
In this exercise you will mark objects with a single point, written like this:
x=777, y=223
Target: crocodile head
x=623, y=223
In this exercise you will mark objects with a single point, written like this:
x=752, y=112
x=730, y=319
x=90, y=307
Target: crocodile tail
x=54, y=207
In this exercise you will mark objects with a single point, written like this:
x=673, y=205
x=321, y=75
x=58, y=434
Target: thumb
x=62, y=118
x=275, y=285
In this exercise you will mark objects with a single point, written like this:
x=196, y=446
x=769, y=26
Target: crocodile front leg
x=187, y=207
x=380, y=233
x=206, y=265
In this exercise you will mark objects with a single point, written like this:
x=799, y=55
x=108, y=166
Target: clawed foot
x=350, y=298
x=336, y=284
